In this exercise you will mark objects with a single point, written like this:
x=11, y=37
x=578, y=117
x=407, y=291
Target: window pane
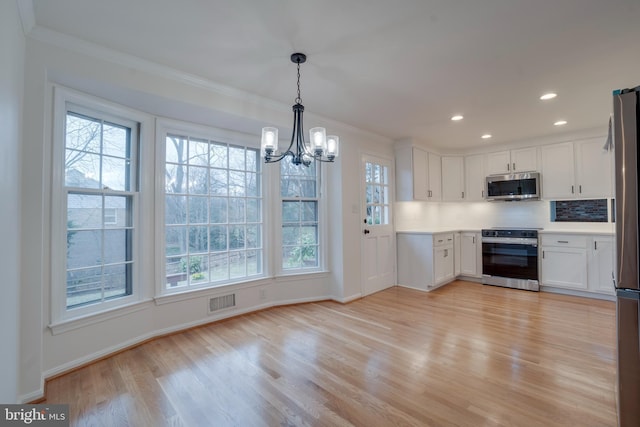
x=309, y=211
x=175, y=209
x=253, y=210
x=236, y=183
x=84, y=211
x=84, y=286
x=176, y=241
x=176, y=276
x=252, y=189
x=290, y=235
x=198, y=152
x=291, y=257
x=176, y=179
x=290, y=211
x=115, y=281
x=218, y=238
x=116, y=212
x=115, y=175
x=198, y=210
x=253, y=262
x=198, y=239
x=218, y=155
x=115, y=246
x=84, y=248
x=237, y=265
x=176, y=149
x=115, y=140
x=253, y=236
x=309, y=235
x=198, y=180
x=218, y=210
x=236, y=237
x=82, y=133
x=253, y=160
x=82, y=169
x=219, y=182
x=236, y=210
x=219, y=267
x=199, y=269
x=236, y=158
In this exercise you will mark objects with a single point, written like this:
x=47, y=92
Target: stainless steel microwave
x=515, y=186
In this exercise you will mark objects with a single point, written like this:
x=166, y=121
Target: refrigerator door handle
x=628, y=294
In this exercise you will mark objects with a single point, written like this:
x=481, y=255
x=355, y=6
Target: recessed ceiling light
x=457, y=117
x=486, y=136
x=549, y=95
x=560, y=123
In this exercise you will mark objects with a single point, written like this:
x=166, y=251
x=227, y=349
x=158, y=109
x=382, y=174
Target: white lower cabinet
x=579, y=262
x=425, y=260
x=470, y=254
x=601, y=261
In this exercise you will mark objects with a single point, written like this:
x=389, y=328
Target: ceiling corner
x=27, y=15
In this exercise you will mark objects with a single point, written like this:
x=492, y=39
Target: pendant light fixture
x=319, y=147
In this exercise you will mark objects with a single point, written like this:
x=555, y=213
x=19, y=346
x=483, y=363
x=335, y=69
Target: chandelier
x=319, y=147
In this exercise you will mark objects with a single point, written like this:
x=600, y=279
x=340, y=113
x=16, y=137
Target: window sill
x=91, y=319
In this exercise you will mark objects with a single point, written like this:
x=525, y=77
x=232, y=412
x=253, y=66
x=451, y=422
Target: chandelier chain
x=298, y=99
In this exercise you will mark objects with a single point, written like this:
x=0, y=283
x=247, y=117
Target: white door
x=378, y=242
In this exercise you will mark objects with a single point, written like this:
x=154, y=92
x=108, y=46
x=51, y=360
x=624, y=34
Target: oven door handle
x=511, y=240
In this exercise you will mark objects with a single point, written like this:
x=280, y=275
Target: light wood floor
x=463, y=355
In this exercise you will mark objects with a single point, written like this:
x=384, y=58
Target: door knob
x=366, y=231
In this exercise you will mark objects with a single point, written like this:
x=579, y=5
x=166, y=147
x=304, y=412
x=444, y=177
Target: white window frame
x=166, y=127
x=62, y=99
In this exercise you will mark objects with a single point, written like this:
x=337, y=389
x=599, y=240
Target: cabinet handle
x=572, y=189
x=514, y=167
x=440, y=241
x=595, y=245
x=580, y=189
x=473, y=240
x=542, y=254
x=429, y=193
x=508, y=167
x=463, y=194
x=563, y=241
x=446, y=253
x=482, y=193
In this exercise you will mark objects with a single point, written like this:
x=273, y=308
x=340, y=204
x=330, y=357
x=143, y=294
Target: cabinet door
x=468, y=254
x=443, y=264
x=557, y=171
x=420, y=170
x=452, y=178
x=524, y=160
x=474, y=177
x=564, y=267
x=499, y=162
x=434, y=177
x=457, y=256
x=593, y=169
x=601, y=265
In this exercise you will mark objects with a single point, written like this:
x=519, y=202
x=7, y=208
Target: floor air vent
x=219, y=303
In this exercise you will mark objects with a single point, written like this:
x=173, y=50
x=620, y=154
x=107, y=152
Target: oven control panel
x=510, y=232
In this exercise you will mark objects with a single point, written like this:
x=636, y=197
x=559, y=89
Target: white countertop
x=437, y=230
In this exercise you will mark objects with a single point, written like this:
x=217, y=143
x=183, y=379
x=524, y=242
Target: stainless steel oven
x=510, y=258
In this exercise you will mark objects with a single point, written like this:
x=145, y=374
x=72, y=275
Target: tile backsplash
x=579, y=210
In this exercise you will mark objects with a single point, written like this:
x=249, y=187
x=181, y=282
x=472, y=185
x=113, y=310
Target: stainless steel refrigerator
x=626, y=114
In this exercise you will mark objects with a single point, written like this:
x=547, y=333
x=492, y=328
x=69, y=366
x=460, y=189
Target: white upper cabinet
x=435, y=177
x=453, y=178
x=520, y=160
x=557, y=171
x=593, y=169
x=474, y=177
x=580, y=169
x=418, y=175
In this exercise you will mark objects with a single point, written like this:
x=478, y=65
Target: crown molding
x=27, y=15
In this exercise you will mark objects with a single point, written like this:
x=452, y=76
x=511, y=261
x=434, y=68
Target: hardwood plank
x=462, y=355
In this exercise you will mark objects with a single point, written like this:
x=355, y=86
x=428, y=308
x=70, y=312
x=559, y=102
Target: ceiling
x=400, y=68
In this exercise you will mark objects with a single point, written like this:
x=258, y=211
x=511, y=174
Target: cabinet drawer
x=564, y=240
x=442, y=239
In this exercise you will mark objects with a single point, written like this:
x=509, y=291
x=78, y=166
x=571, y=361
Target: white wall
x=12, y=49
x=51, y=58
